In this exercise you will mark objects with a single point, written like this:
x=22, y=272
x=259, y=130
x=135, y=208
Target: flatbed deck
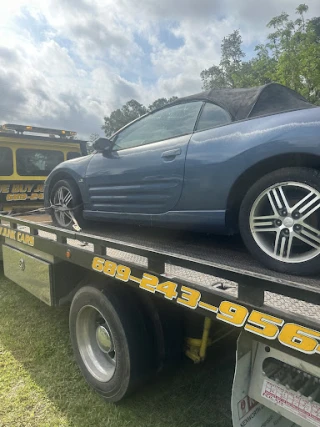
x=227, y=252
x=213, y=262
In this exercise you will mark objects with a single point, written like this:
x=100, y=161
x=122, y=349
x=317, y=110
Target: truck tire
x=166, y=322
x=111, y=341
x=172, y=331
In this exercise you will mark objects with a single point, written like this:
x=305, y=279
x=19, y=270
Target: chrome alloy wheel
x=95, y=343
x=285, y=222
x=62, y=201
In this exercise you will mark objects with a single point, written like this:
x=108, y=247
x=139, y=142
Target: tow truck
x=27, y=155
x=138, y=296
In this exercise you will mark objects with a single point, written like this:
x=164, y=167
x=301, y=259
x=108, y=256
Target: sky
x=68, y=63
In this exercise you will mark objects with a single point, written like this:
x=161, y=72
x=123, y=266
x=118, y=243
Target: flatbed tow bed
x=277, y=379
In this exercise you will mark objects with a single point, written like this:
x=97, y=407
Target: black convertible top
x=255, y=101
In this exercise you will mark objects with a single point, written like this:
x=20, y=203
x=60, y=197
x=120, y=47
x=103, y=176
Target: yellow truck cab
x=27, y=156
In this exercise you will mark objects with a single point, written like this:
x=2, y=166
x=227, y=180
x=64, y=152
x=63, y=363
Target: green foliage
x=213, y=78
x=227, y=72
x=129, y=112
x=231, y=57
x=161, y=102
x=258, y=71
x=291, y=56
x=122, y=116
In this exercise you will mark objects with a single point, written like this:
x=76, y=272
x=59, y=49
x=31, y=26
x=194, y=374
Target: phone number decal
x=291, y=335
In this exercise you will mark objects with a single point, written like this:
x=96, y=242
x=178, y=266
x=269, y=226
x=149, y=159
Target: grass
x=40, y=385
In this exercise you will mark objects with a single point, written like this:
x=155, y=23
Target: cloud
x=7, y=55
x=11, y=96
x=176, y=10
x=69, y=63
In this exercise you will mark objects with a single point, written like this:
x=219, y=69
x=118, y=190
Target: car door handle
x=171, y=154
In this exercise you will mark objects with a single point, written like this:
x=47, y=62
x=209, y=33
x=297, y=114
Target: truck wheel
x=111, y=342
x=172, y=332
x=280, y=220
x=64, y=198
x=166, y=323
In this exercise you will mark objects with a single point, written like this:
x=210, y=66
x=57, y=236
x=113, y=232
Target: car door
x=144, y=171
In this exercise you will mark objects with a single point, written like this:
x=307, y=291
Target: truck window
x=37, y=162
x=73, y=155
x=6, y=161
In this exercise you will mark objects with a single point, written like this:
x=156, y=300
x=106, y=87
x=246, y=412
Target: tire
x=167, y=324
x=172, y=326
x=288, y=240
x=131, y=350
x=75, y=204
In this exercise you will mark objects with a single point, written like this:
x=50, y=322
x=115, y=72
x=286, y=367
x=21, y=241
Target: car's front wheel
x=66, y=204
x=280, y=220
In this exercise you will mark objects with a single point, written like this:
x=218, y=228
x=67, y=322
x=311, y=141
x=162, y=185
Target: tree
x=258, y=71
x=296, y=47
x=231, y=56
x=122, y=116
x=161, y=102
x=225, y=74
x=213, y=78
x=291, y=56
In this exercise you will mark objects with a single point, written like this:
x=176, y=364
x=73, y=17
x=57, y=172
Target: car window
x=211, y=116
x=164, y=124
x=37, y=162
x=6, y=161
x=73, y=155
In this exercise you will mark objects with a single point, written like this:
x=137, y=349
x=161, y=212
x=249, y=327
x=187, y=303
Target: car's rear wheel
x=66, y=204
x=280, y=220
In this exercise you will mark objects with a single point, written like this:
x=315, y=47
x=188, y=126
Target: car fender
x=74, y=169
x=216, y=158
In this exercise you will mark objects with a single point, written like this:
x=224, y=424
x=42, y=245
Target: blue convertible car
x=222, y=161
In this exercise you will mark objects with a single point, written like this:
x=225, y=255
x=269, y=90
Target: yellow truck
x=27, y=156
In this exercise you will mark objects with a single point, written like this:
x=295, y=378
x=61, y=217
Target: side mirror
x=103, y=145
